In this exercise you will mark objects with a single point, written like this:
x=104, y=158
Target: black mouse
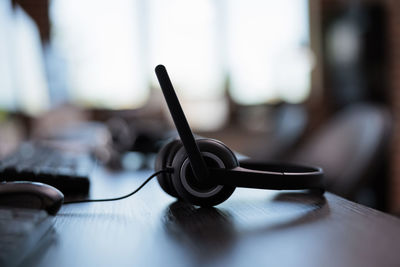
x=31, y=195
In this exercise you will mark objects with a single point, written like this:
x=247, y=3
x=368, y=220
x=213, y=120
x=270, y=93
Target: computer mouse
x=31, y=195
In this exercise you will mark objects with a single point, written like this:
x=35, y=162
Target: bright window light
x=184, y=37
x=23, y=84
x=30, y=81
x=112, y=46
x=268, y=55
x=101, y=44
x=7, y=94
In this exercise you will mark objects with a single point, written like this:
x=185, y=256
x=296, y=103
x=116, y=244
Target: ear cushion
x=164, y=159
x=216, y=154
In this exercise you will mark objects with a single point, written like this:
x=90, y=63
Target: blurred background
x=307, y=81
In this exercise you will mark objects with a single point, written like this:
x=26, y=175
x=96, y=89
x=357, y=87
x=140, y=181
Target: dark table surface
x=252, y=228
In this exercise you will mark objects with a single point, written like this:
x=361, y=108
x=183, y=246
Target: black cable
x=122, y=197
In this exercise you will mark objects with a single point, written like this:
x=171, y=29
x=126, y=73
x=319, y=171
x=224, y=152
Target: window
x=23, y=84
x=268, y=55
x=101, y=44
x=258, y=47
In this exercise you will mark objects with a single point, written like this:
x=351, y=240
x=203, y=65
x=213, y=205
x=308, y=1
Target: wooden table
x=252, y=228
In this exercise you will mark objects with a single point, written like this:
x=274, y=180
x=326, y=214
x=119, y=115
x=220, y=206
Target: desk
x=252, y=228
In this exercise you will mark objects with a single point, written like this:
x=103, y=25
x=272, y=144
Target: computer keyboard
x=21, y=231
x=66, y=170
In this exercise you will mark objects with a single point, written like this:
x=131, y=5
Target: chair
x=350, y=147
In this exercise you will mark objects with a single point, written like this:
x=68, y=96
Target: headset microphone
x=205, y=172
x=196, y=159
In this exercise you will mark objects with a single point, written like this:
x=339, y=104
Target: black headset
x=205, y=172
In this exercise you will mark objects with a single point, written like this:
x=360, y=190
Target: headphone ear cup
x=217, y=155
x=164, y=159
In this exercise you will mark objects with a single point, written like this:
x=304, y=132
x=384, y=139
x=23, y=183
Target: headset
x=205, y=172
